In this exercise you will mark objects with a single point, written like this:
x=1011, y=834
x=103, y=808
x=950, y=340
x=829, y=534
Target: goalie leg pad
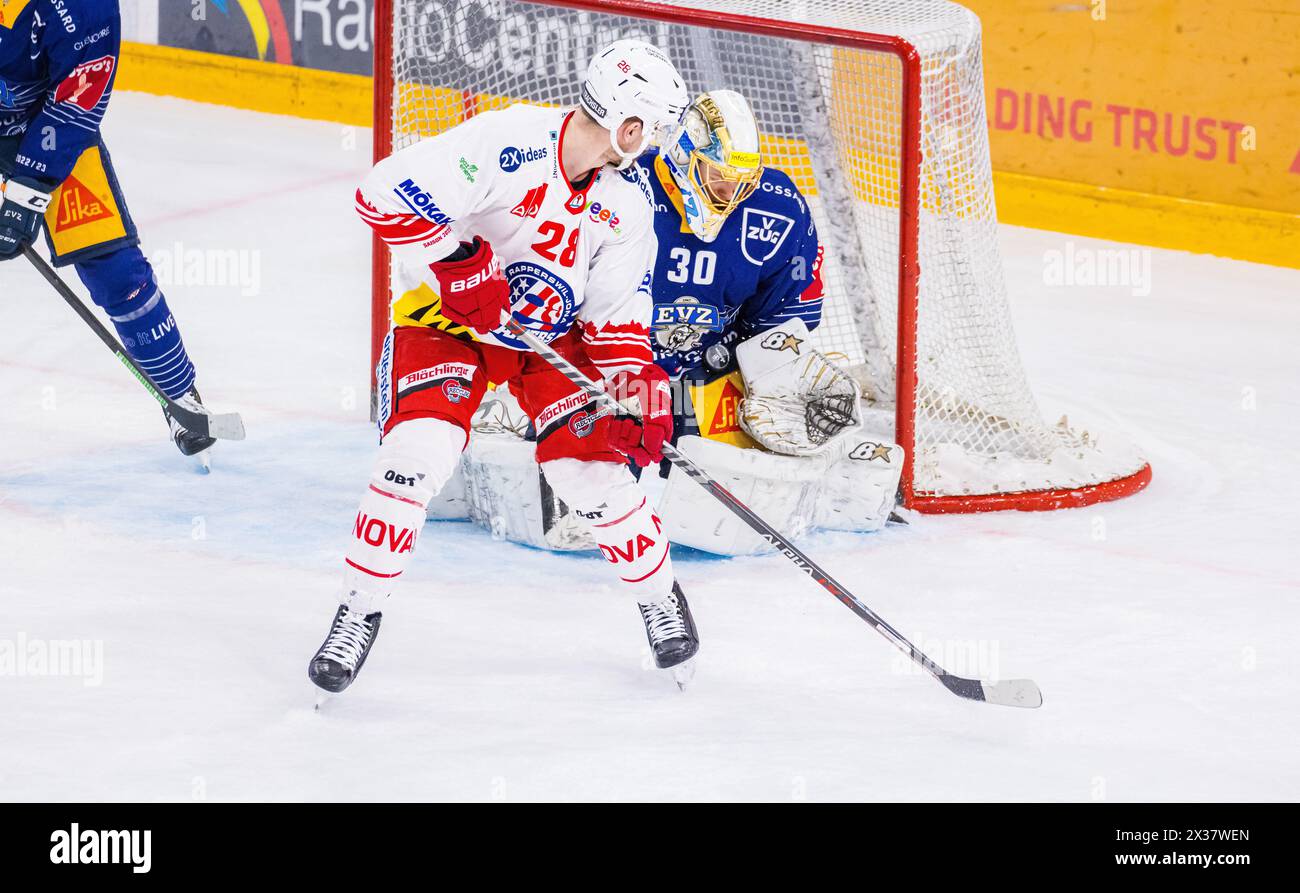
x=625, y=527
x=783, y=490
x=860, y=490
x=415, y=461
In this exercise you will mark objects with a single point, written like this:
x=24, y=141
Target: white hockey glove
x=799, y=402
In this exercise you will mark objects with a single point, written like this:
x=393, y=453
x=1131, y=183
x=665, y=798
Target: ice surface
x=1162, y=629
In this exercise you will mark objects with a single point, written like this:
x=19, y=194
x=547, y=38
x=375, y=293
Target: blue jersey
x=761, y=270
x=58, y=59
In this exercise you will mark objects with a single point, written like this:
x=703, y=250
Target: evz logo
x=683, y=324
x=762, y=234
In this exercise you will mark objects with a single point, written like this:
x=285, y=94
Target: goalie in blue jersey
x=58, y=63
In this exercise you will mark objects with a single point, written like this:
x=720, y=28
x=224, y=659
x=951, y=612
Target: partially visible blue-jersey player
x=737, y=291
x=58, y=62
x=738, y=250
x=739, y=258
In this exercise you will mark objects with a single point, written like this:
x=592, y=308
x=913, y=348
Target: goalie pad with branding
x=799, y=403
x=852, y=487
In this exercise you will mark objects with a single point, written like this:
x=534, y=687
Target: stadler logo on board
x=512, y=159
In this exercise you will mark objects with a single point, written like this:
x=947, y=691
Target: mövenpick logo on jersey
x=434, y=374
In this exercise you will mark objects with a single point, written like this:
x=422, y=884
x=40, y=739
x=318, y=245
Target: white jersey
x=583, y=257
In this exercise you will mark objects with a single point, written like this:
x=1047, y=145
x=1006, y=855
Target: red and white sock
x=415, y=461
x=622, y=521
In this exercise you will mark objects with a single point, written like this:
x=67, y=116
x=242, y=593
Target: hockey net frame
x=910, y=186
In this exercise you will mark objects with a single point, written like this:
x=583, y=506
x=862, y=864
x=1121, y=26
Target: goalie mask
x=715, y=160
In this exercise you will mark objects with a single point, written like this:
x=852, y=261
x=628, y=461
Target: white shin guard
x=415, y=461
x=622, y=522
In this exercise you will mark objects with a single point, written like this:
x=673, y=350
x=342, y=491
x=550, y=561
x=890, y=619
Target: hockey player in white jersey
x=540, y=214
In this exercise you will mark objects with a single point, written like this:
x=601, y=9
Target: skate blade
x=203, y=458
x=683, y=673
x=322, y=698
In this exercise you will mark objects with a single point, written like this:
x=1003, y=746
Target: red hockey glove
x=642, y=440
x=474, y=293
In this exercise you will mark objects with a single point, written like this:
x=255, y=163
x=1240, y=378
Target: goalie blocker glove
x=474, y=292
x=25, y=203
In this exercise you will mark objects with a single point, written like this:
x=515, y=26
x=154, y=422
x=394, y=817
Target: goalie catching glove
x=473, y=290
x=642, y=440
x=799, y=402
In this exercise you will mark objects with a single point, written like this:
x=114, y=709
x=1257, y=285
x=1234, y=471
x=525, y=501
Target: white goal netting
x=834, y=113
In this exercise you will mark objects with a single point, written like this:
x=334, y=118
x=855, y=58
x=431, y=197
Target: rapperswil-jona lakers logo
x=540, y=301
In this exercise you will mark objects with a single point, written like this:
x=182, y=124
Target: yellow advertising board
x=1181, y=115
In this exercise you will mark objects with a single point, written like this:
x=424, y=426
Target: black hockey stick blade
x=1007, y=693
x=226, y=426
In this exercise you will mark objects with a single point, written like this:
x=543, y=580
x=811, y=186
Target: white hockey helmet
x=716, y=159
x=634, y=79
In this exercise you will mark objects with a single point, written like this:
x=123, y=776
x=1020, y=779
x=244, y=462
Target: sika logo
x=79, y=206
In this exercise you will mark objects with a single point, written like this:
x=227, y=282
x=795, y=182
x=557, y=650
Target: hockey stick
x=228, y=426
x=1010, y=693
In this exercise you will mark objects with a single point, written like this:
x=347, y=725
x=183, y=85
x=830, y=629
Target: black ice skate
x=339, y=659
x=671, y=630
x=188, y=443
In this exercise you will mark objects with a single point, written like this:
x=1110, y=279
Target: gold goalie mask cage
x=715, y=160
